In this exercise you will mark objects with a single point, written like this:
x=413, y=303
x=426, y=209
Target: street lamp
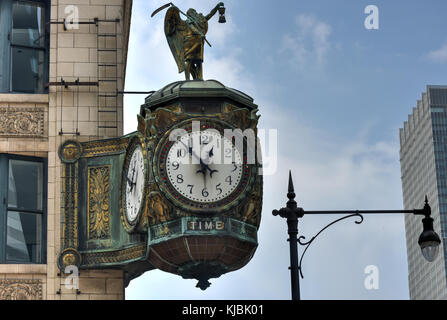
x=429, y=240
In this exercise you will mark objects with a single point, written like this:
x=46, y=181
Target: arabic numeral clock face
x=134, y=179
x=203, y=170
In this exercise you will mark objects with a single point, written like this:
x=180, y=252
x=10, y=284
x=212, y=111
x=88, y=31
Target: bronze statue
x=186, y=38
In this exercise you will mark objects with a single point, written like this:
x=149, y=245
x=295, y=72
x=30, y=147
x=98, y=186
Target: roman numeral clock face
x=207, y=173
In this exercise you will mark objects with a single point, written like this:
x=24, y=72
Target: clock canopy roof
x=202, y=89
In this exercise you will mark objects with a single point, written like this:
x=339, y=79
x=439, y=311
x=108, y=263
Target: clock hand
x=129, y=181
x=211, y=171
x=136, y=179
x=191, y=152
x=133, y=175
x=204, y=180
x=203, y=166
x=210, y=155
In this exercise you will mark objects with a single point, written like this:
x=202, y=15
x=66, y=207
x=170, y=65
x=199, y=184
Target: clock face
x=135, y=176
x=202, y=171
x=215, y=173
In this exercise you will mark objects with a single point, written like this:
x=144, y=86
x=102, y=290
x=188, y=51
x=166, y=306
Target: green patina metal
x=200, y=226
x=95, y=232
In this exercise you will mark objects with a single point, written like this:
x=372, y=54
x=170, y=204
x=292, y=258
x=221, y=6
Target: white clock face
x=134, y=185
x=197, y=173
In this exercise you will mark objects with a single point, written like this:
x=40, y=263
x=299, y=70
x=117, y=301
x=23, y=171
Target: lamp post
x=429, y=240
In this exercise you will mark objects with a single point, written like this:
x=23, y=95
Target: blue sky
x=337, y=94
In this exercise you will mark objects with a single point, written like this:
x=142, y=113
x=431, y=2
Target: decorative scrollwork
x=69, y=257
x=98, y=258
x=98, y=202
x=308, y=243
x=22, y=121
x=70, y=151
x=20, y=289
x=104, y=147
x=242, y=118
x=161, y=120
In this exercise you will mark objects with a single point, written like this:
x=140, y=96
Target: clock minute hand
x=191, y=152
x=131, y=180
x=206, y=166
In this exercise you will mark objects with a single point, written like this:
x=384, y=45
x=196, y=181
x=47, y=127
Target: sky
x=336, y=93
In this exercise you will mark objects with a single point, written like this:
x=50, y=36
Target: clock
x=133, y=183
x=202, y=171
x=205, y=181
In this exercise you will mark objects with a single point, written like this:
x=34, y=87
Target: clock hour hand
x=203, y=167
x=211, y=171
x=210, y=155
x=130, y=182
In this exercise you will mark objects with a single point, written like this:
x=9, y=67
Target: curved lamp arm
x=308, y=243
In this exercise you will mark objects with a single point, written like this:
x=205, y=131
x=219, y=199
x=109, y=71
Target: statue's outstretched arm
x=213, y=12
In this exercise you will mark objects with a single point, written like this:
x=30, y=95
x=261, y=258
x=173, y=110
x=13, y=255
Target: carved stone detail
x=22, y=122
x=20, y=289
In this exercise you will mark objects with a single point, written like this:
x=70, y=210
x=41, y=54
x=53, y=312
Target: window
x=22, y=209
x=24, y=43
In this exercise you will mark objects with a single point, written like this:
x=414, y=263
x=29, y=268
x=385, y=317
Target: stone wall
x=37, y=124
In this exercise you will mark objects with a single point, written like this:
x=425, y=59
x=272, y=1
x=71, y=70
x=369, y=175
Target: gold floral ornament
x=98, y=202
x=69, y=257
x=70, y=151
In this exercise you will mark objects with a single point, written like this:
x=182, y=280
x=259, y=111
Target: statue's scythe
x=189, y=17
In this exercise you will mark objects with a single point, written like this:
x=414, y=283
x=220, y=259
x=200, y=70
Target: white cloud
x=439, y=55
x=310, y=43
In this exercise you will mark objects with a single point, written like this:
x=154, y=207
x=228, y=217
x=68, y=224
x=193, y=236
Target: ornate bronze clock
x=179, y=194
x=180, y=197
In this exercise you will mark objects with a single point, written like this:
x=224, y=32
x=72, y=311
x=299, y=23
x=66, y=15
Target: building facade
x=423, y=155
x=62, y=70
